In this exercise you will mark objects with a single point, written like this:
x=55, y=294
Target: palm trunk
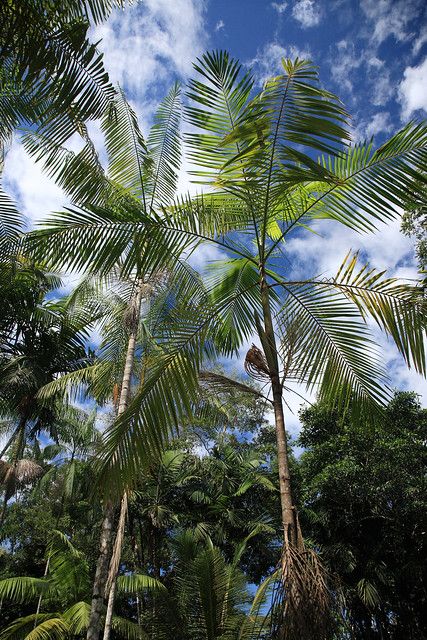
x=114, y=567
x=10, y=441
x=268, y=340
x=101, y=573
x=306, y=601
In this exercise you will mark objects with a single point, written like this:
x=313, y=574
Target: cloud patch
x=413, y=90
x=307, y=13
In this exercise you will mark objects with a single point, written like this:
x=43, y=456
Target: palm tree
x=40, y=342
x=258, y=155
x=67, y=586
x=140, y=176
x=207, y=597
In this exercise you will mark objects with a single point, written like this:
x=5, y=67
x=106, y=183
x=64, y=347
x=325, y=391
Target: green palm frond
x=335, y=350
x=220, y=98
x=62, y=73
x=397, y=307
x=135, y=582
x=235, y=292
x=22, y=589
x=68, y=568
x=77, y=617
x=11, y=222
x=126, y=147
x=80, y=175
x=368, y=593
x=50, y=627
x=142, y=431
x=164, y=146
x=127, y=629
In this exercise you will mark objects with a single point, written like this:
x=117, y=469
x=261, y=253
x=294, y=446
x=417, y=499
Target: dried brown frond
x=303, y=603
x=22, y=472
x=256, y=364
x=27, y=471
x=116, y=395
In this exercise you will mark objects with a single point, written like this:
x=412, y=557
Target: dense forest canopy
x=149, y=485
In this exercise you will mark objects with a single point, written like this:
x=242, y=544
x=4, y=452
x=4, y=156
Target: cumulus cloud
x=413, y=89
x=149, y=44
x=344, y=61
x=307, y=13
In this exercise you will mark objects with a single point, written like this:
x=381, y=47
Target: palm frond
x=126, y=147
x=164, y=146
x=51, y=626
x=22, y=589
x=137, y=582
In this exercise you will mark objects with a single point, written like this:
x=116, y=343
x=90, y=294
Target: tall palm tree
x=141, y=176
x=258, y=154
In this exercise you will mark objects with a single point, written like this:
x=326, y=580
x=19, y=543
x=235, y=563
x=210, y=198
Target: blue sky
x=372, y=53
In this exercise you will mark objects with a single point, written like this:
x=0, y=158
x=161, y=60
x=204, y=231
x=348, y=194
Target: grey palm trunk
x=105, y=547
x=268, y=340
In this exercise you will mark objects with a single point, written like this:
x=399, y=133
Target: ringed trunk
x=268, y=340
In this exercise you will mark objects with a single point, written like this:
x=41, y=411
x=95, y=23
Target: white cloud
x=34, y=192
x=390, y=18
x=307, y=13
x=267, y=61
x=219, y=25
x=280, y=7
x=344, y=61
x=413, y=89
x=150, y=44
x=380, y=122
x=419, y=43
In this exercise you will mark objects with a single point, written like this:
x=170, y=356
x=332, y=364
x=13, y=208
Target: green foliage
x=364, y=504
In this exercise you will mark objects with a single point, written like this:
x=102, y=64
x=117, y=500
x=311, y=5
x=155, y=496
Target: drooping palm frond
x=135, y=582
x=22, y=589
x=77, y=617
x=11, y=223
x=47, y=50
x=336, y=349
x=49, y=626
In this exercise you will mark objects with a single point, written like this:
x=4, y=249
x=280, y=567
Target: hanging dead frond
x=256, y=365
x=18, y=474
x=302, y=604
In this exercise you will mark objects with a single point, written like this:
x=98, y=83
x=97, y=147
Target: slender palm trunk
x=10, y=441
x=268, y=340
x=101, y=573
x=114, y=567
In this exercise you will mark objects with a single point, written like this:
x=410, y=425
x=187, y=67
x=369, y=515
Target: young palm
x=66, y=586
x=258, y=155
